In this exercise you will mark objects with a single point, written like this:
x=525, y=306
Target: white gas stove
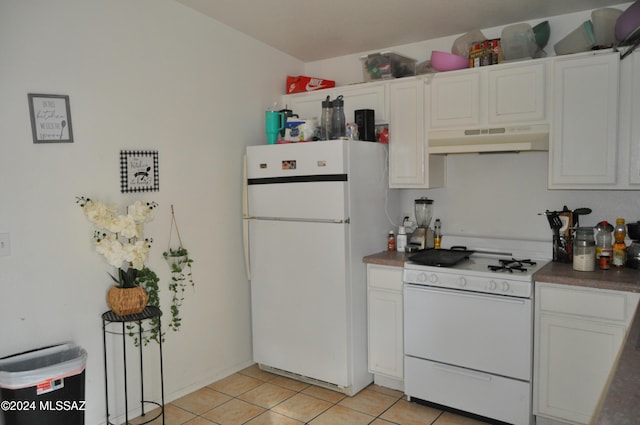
x=469, y=328
x=496, y=266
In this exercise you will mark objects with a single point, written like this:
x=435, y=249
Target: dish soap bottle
x=619, y=247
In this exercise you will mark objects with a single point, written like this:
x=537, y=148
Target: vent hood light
x=484, y=140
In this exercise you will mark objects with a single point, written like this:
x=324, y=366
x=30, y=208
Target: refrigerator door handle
x=245, y=219
x=305, y=220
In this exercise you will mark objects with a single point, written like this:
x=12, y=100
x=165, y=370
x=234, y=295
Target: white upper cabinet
x=410, y=165
x=583, y=149
x=489, y=96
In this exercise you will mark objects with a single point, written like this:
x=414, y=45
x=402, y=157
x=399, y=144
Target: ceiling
x=314, y=30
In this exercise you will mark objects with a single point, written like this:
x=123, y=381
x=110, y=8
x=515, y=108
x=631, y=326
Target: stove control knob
x=505, y=286
x=463, y=282
x=422, y=277
x=492, y=285
x=433, y=278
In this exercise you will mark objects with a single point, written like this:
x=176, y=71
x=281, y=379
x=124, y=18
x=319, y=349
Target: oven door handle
x=463, y=372
x=485, y=297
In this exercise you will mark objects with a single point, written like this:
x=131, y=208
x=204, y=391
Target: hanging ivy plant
x=181, y=277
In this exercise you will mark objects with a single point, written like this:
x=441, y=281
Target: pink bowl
x=443, y=61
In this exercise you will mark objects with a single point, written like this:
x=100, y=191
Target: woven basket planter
x=125, y=301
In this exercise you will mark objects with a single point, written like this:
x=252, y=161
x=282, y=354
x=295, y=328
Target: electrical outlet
x=5, y=245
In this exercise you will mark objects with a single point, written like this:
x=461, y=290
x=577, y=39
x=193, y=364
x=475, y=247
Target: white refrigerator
x=312, y=211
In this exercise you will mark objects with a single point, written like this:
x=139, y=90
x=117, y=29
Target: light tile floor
x=256, y=397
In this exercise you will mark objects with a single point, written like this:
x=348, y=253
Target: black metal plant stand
x=109, y=326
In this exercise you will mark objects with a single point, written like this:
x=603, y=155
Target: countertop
x=620, y=404
x=388, y=258
x=621, y=401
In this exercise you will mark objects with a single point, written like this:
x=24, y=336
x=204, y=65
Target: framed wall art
x=139, y=171
x=50, y=118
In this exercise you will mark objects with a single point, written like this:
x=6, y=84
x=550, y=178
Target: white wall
x=501, y=194
x=144, y=74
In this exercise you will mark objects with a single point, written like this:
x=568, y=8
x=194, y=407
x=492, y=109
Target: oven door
x=481, y=332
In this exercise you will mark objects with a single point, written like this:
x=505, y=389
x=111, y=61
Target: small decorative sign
x=50, y=118
x=139, y=171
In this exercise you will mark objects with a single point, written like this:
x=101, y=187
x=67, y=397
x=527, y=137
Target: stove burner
x=511, y=265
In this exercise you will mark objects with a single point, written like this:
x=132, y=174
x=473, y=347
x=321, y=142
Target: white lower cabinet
x=578, y=333
x=384, y=302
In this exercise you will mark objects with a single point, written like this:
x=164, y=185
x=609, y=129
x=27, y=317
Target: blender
x=422, y=236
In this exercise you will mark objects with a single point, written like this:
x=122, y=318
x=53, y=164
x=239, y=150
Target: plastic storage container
x=518, y=42
x=44, y=386
x=604, y=25
x=579, y=40
x=378, y=66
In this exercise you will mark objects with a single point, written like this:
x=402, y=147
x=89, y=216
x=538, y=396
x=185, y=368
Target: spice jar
x=584, y=250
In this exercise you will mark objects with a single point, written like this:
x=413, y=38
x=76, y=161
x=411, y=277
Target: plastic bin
x=380, y=66
x=43, y=386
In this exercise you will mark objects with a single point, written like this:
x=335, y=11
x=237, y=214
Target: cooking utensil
x=441, y=257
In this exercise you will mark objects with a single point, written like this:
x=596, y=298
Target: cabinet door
x=455, y=100
x=582, y=151
x=407, y=153
x=516, y=94
x=634, y=160
x=410, y=165
x=364, y=96
x=385, y=314
x=574, y=364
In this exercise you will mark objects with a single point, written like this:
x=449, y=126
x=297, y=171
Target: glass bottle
x=619, y=247
x=604, y=239
x=338, y=126
x=391, y=241
x=326, y=119
x=437, y=234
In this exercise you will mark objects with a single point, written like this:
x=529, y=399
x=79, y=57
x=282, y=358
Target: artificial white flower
x=132, y=250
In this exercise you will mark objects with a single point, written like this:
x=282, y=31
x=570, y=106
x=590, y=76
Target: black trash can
x=44, y=386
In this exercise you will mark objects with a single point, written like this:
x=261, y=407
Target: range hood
x=519, y=138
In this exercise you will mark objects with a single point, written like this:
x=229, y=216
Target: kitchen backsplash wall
x=500, y=195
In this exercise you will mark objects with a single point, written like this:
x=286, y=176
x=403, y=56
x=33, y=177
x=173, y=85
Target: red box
x=302, y=83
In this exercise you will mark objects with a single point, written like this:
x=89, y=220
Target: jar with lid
x=619, y=246
x=584, y=250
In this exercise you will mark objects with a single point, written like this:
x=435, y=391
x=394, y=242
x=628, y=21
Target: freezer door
x=300, y=181
x=299, y=297
x=301, y=200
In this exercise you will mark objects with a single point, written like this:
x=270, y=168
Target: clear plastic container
x=380, y=66
x=518, y=42
x=604, y=239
